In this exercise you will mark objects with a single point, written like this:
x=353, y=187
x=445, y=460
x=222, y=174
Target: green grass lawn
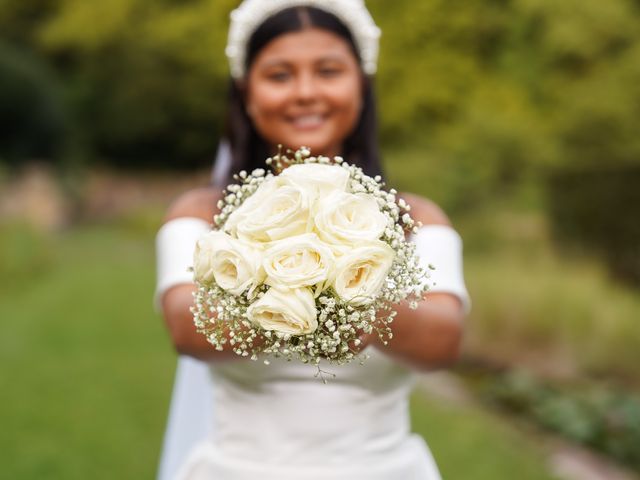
x=471, y=444
x=87, y=368
x=86, y=364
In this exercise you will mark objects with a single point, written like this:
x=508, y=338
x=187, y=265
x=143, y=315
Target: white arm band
x=441, y=246
x=175, y=244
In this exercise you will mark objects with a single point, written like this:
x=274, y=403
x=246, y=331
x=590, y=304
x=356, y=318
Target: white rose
x=265, y=189
x=361, y=272
x=282, y=212
x=233, y=265
x=349, y=219
x=319, y=178
x=286, y=311
x=299, y=261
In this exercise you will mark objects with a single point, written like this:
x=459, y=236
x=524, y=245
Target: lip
x=307, y=121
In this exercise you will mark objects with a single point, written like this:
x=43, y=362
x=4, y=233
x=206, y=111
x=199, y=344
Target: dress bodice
x=290, y=416
x=280, y=422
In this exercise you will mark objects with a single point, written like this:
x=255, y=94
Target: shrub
x=605, y=419
x=31, y=115
x=598, y=208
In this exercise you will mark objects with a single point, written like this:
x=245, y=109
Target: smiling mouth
x=307, y=122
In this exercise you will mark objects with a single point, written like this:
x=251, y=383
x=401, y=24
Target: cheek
x=264, y=101
x=348, y=101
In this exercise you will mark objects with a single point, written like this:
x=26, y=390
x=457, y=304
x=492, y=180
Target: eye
x=328, y=72
x=278, y=76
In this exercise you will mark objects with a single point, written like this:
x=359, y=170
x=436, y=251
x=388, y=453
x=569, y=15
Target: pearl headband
x=251, y=13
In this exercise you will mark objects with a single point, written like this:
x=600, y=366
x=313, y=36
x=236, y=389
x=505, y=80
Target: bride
x=302, y=75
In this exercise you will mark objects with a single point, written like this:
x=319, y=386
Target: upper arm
x=175, y=243
x=425, y=211
x=428, y=213
x=174, y=255
x=198, y=203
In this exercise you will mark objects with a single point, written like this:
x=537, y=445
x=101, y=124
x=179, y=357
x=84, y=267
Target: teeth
x=307, y=121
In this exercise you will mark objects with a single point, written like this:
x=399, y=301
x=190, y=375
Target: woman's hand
x=430, y=336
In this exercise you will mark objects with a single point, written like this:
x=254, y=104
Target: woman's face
x=305, y=89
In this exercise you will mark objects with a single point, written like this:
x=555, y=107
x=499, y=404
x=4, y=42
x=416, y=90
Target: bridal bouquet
x=302, y=263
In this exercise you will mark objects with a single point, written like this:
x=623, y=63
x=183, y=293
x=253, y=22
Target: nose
x=306, y=88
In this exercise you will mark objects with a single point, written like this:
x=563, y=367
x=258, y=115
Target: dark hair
x=248, y=149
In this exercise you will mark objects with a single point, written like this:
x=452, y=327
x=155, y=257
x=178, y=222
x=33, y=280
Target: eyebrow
x=328, y=58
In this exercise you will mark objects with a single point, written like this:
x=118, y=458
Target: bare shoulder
x=425, y=211
x=199, y=203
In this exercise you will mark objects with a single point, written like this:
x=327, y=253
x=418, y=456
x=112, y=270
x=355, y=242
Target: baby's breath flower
x=222, y=317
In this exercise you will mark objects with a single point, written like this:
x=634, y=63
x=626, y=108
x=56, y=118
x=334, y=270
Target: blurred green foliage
x=598, y=208
x=32, y=118
x=554, y=312
x=146, y=80
x=492, y=89
x=478, y=99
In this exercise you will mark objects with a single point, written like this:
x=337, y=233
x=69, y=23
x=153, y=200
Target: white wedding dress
x=279, y=422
